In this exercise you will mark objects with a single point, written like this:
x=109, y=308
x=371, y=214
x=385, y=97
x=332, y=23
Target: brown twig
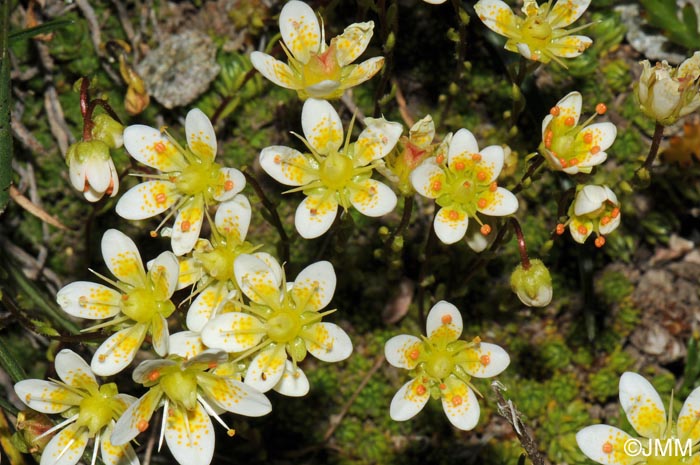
x=334, y=423
x=403, y=107
x=35, y=210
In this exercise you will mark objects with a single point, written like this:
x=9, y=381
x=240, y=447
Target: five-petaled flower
x=594, y=209
x=316, y=69
x=661, y=441
x=90, y=410
x=442, y=367
x=189, y=179
x=190, y=393
x=572, y=147
x=540, y=35
x=140, y=306
x=463, y=183
x=283, y=319
x=333, y=174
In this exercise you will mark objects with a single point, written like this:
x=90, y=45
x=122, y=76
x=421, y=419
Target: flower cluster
x=594, y=209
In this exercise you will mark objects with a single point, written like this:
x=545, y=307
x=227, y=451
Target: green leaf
x=41, y=29
x=5, y=134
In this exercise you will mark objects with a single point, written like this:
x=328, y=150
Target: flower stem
x=522, y=247
x=655, y=142
x=405, y=219
x=424, y=268
x=274, y=216
x=531, y=170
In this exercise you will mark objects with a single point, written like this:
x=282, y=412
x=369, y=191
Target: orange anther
x=125, y=297
x=456, y=400
x=476, y=157
x=485, y=230
x=142, y=425
x=153, y=376
x=582, y=229
x=453, y=215
x=599, y=241
x=413, y=355
x=153, y=234
x=601, y=108
x=228, y=185
x=607, y=448
x=436, y=186
x=548, y=139
x=466, y=184
x=570, y=121
x=440, y=159
x=615, y=213
x=212, y=365
x=277, y=159
x=313, y=211
x=159, y=147
x=172, y=178
x=481, y=176
x=595, y=149
x=161, y=197
x=459, y=166
x=605, y=220
x=482, y=202
x=485, y=359
x=102, y=357
x=442, y=386
x=446, y=319
x=185, y=226
x=493, y=187
x=86, y=187
x=573, y=162
x=560, y=229
x=562, y=162
x=420, y=390
x=372, y=190
x=554, y=111
x=588, y=138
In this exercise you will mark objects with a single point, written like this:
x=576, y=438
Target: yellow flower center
x=321, y=67
x=200, y=178
x=99, y=408
x=336, y=170
x=180, y=386
x=284, y=326
x=142, y=304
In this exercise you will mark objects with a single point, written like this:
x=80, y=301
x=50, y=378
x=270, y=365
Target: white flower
x=140, y=306
x=282, y=319
x=92, y=170
x=190, y=393
x=91, y=411
x=594, y=209
x=316, y=69
x=189, y=180
x=666, y=93
x=463, y=183
x=442, y=366
x=572, y=147
x=333, y=175
x=646, y=413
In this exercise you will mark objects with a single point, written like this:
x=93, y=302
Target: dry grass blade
x=34, y=209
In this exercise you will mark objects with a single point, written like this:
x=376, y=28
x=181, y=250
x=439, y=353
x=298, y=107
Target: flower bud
x=108, y=131
x=665, y=93
x=31, y=425
x=92, y=170
x=533, y=286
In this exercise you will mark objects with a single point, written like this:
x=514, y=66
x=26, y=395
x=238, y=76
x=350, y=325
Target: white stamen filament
x=57, y=427
x=95, y=449
x=163, y=423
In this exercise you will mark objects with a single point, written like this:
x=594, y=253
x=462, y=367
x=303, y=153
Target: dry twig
x=34, y=209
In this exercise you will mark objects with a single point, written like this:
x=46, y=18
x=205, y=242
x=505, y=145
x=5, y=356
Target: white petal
x=492, y=157
x=160, y=335
x=324, y=89
x=689, y=417
x=116, y=455
x=312, y=218
x=88, y=300
x=300, y=30
x=76, y=173
x=502, y=203
x=255, y=278
x=293, y=383
x=461, y=406
x=234, y=396
x=233, y=332
x=376, y=141
x=322, y=126
x=566, y=12
x=98, y=173
x=408, y=401
x=46, y=396
x=492, y=360
x=117, y=352
x=576, y=224
x=331, y=342
x=232, y=182
x=315, y=286
x=148, y=146
x=602, y=135
x=274, y=265
x=611, y=226
x=276, y=71
x=146, y=200
x=643, y=405
x=589, y=199
x=73, y=370
x=288, y=166
x=233, y=218
x=570, y=106
x=135, y=418
x=188, y=224
x=373, y=198
x=545, y=123
x=143, y=373
x=496, y=15
x=201, y=138
x=605, y=444
x=352, y=42
x=191, y=441
x=205, y=305
x=428, y=178
x=475, y=239
x=450, y=225
x=163, y=274
x=570, y=46
x=463, y=144
x=186, y=344
x=402, y=351
x=362, y=72
x=122, y=257
x=266, y=369
x=70, y=441
x=525, y=51
x=446, y=318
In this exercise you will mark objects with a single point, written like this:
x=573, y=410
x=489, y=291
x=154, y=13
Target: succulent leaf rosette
x=91, y=411
x=335, y=172
x=189, y=181
x=645, y=411
x=540, y=35
x=441, y=366
x=316, y=69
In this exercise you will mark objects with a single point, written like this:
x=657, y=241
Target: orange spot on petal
x=420, y=389
x=607, y=448
x=228, y=185
x=456, y=400
x=159, y=147
x=582, y=229
x=414, y=354
x=185, y=226
x=485, y=359
x=453, y=215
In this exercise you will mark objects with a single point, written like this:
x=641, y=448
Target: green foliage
x=681, y=27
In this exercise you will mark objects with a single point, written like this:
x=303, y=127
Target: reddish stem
x=524, y=259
